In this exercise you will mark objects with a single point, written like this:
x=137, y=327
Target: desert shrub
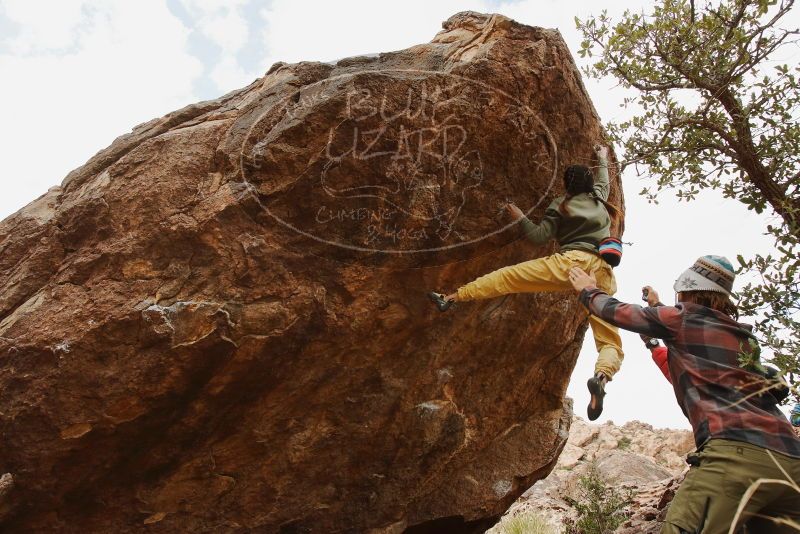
x=526, y=523
x=600, y=506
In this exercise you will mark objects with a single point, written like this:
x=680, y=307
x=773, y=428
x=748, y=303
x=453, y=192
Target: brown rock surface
x=219, y=324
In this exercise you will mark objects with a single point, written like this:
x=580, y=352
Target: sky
x=78, y=73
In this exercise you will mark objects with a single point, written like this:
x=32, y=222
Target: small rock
x=6, y=485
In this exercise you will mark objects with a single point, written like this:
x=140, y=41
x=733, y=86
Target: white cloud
x=228, y=75
x=228, y=30
x=129, y=65
x=43, y=28
x=210, y=6
x=220, y=21
x=224, y=24
x=325, y=31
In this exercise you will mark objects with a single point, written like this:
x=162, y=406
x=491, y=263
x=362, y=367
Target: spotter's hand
x=651, y=295
x=580, y=280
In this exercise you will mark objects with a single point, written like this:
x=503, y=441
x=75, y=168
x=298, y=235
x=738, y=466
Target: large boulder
x=219, y=322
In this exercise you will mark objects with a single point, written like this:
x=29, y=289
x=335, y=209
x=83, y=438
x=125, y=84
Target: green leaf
x=701, y=100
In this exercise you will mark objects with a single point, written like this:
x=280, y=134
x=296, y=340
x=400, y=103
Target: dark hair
x=579, y=179
x=714, y=300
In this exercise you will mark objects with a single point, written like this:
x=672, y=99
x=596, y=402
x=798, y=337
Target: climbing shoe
x=597, y=387
x=440, y=301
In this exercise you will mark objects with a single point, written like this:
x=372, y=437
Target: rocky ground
x=651, y=462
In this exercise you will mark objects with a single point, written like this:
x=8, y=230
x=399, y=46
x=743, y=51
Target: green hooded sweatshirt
x=587, y=224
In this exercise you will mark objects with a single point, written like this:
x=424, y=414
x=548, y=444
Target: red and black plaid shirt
x=719, y=397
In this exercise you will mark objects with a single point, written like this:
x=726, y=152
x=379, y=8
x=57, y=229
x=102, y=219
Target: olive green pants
x=551, y=273
x=708, y=499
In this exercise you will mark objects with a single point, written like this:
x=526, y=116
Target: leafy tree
x=716, y=112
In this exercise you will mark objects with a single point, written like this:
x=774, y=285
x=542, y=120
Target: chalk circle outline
x=292, y=227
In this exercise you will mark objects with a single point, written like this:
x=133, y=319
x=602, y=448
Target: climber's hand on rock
x=514, y=211
x=652, y=296
x=601, y=151
x=580, y=280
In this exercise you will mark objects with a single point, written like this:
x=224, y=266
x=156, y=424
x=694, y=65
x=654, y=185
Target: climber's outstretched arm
x=541, y=233
x=601, y=182
x=661, y=322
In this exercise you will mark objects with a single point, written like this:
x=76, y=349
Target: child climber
x=579, y=221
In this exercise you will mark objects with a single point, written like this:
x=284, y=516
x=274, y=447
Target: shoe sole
x=595, y=407
x=437, y=300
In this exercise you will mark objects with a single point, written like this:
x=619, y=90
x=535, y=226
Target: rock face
x=649, y=462
x=219, y=322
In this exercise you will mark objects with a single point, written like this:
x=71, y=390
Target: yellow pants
x=552, y=274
